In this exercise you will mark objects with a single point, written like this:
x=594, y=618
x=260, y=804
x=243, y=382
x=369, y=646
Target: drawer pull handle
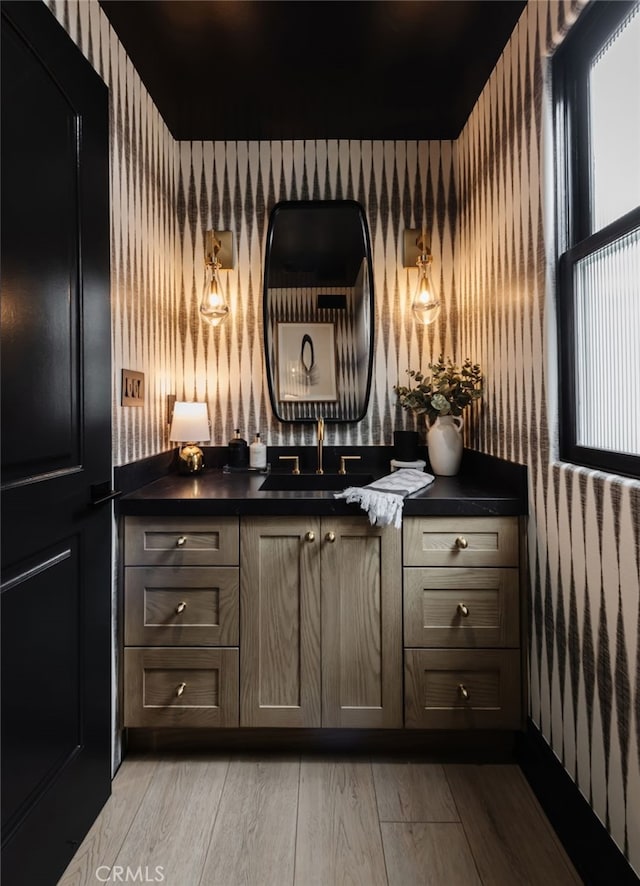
x=464, y=692
x=181, y=607
x=330, y=537
x=461, y=543
x=463, y=610
x=182, y=540
x=310, y=536
x=180, y=689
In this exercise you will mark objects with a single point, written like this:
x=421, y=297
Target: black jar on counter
x=238, y=451
x=405, y=445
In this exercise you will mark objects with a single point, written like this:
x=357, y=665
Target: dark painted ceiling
x=265, y=69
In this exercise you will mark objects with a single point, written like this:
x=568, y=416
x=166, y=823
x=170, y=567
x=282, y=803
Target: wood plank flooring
x=217, y=820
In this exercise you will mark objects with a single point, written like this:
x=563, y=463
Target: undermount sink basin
x=313, y=482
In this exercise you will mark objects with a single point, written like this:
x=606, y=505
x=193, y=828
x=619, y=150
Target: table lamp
x=190, y=423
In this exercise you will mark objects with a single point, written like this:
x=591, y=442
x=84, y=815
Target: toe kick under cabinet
x=462, y=623
x=181, y=590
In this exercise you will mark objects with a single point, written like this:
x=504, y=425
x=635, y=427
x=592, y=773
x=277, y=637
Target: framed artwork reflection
x=306, y=362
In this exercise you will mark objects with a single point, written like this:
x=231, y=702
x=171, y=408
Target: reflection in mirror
x=318, y=310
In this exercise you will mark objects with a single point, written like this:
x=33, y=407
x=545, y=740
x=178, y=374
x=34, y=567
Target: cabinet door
x=361, y=624
x=461, y=541
x=280, y=622
x=180, y=687
x=185, y=606
x=451, y=607
x=181, y=541
x=463, y=689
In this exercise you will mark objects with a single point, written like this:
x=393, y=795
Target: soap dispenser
x=257, y=453
x=238, y=451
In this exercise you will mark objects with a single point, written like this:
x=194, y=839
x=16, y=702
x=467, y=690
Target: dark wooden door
x=56, y=446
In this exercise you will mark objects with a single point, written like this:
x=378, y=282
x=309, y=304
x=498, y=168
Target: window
x=597, y=116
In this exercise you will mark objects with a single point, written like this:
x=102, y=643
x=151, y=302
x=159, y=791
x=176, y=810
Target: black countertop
x=486, y=486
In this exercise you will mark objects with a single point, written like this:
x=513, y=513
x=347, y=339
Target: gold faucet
x=320, y=442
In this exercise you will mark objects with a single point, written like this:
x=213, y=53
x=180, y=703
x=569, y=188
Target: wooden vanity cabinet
x=321, y=623
x=310, y=622
x=181, y=625
x=462, y=623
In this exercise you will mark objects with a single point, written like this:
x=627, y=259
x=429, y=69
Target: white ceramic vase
x=444, y=439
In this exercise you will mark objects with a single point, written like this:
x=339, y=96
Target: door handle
x=102, y=492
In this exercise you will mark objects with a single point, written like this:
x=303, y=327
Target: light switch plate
x=132, y=388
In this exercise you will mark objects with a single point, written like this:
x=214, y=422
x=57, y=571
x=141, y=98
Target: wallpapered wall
x=487, y=200
x=584, y=526
x=143, y=234
x=234, y=186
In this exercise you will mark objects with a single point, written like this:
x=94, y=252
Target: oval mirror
x=318, y=310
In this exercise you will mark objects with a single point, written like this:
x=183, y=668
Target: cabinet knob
x=180, y=689
x=181, y=607
x=330, y=536
x=182, y=540
x=463, y=610
x=464, y=692
x=461, y=543
x=309, y=536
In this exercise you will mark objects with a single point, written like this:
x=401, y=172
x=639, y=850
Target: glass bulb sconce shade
x=425, y=306
x=213, y=307
x=190, y=423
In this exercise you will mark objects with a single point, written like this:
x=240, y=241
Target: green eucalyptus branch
x=447, y=390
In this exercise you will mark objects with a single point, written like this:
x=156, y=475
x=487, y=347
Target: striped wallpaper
x=488, y=201
x=584, y=527
x=143, y=234
x=234, y=186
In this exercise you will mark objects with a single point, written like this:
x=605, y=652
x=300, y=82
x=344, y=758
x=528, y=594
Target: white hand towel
x=383, y=500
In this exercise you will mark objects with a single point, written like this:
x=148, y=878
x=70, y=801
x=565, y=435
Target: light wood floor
x=319, y=821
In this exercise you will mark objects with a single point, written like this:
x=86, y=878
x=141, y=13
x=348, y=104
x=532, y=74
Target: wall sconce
x=425, y=304
x=190, y=423
x=213, y=307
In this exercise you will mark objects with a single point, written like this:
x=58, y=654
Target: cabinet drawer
x=460, y=541
x=181, y=541
x=474, y=689
x=181, y=606
x=455, y=607
x=180, y=687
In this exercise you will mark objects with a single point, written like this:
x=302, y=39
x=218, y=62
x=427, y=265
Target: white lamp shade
x=190, y=423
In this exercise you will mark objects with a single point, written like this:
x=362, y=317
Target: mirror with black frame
x=318, y=311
